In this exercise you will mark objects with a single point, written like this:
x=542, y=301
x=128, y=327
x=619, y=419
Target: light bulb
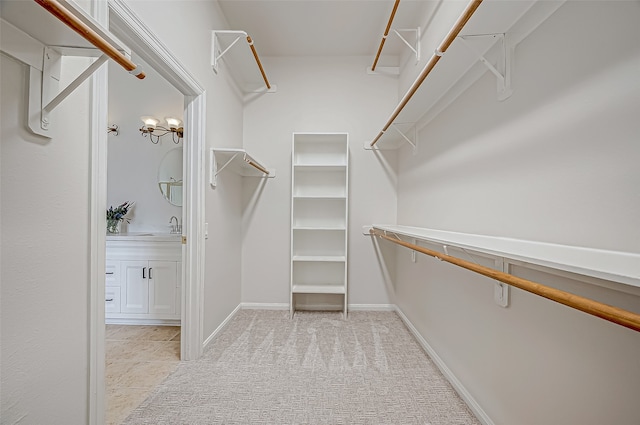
x=150, y=122
x=173, y=123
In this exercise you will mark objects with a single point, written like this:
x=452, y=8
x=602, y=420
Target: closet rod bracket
x=500, y=289
x=411, y=139
x=44, y=93
x=502, y=69
x=218, y=51
x=414, y=47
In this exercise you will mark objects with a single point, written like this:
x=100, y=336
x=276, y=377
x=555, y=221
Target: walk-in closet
x=309, y=211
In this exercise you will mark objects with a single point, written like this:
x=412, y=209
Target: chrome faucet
x=175, y=228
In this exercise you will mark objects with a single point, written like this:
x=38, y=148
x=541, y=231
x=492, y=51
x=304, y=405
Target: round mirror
x=170, y=177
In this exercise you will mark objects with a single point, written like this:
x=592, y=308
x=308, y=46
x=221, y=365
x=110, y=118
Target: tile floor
x=137, y=359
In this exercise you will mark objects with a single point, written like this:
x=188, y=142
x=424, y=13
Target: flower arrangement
x=116, y=215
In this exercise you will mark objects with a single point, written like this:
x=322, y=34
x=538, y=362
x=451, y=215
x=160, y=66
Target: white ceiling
x=322, y=27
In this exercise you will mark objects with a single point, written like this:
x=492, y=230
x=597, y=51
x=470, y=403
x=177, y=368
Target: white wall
x=185, y=28
x=557, y=162
x=316, y=95
x=133, y=160
x=44, y=213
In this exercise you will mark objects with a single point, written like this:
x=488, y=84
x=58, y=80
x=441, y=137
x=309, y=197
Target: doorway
x=143, y=252
x=124, y=24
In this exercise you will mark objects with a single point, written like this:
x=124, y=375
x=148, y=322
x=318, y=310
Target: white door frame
x=128, y=27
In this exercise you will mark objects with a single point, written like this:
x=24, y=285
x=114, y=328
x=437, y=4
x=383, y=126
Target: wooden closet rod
x=386, y=33
x=453, y=33
x=255, y=55
x=258, y=166
x=72, y=21
x=616, y=315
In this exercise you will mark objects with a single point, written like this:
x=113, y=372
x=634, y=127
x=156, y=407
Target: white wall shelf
x=334, y=258
x=328, y=227
x=319, y=211
x=613, y=266
x=237, y=161
x=484, y=44
x=319, y=289
x=232, y=48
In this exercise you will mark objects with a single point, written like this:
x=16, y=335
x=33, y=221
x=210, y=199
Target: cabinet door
x=163, y=278
x=135, y=286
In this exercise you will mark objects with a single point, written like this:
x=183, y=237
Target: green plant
x=120, y=212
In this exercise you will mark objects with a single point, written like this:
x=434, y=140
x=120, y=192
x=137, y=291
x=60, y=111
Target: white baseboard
x=220, y=328
x=264, y=306
x=157, y=322
x=372, y=307
x=331, y=307
x=448, y=374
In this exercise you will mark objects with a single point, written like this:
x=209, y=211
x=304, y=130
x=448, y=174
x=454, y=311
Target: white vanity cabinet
x=143, y=279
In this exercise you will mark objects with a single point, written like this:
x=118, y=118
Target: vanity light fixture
x=155, y=131
x=113, y=128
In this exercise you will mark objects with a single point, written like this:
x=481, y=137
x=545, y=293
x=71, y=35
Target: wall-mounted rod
x=448, y=40
x=256, y=165
x=613, y=314
x=255, y=55
x=386, y=33
x=72, y=21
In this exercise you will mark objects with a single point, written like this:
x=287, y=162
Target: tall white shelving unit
x=319, y=211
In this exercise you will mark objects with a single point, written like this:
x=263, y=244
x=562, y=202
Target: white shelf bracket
x=216, y=52
x=413, y=252
x=404, y=136
x=415, y=48
x=502, y=70
x=44, y=94
x=232, y=158
x=501, y=290
x=213, y=178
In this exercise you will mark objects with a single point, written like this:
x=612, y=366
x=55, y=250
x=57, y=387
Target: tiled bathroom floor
x=137, y=359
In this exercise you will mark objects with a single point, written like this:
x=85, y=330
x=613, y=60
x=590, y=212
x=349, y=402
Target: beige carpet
x=315, y=369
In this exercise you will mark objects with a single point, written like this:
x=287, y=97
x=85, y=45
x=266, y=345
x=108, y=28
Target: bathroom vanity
x=143, y=278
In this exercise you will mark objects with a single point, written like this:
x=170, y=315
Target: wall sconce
x=113, y=129
x=151, y=128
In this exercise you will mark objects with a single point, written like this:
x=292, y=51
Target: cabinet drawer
x=112, y=273
x=112, y=299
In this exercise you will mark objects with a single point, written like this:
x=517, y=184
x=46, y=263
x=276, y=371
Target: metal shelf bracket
x=44, y=93
x=415, y=47
x=218, y=50
x=502, y=70
x=413, y=142
x=411, y=138
x=217, y=53
x=239, y=161
x=215, y=170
